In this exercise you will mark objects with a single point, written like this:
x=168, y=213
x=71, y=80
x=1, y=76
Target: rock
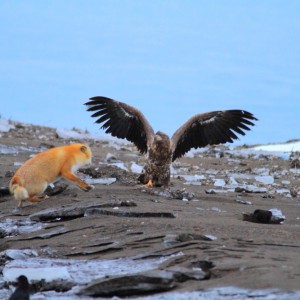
x=250, y=189
x=62, y=213
x=91, y=172
x=4, y=191
x=183, y=237
x=130, y=285
x=58, y=285
x=71, y=212
x=295, y=163
x=3, y=233
x=243, y=202
x=132, y=214
x=214, y=191
x=183, y=274
x=180, y=194
x=56, y=189
x=268, y=196
x=263, y=216
x=46, y=234
x=9, y=174
x=294, y=193
x=171, y=239
x=192, y=178
x=205, y=265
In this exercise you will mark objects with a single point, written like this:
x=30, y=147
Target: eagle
x=126, y=122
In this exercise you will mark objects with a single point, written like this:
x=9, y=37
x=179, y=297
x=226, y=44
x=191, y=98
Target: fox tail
x=18, y=190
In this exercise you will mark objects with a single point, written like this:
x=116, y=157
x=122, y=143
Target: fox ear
x=83, y=149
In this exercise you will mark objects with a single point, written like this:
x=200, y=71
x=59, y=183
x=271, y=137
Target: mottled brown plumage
x=157, y=168
x=124, y=121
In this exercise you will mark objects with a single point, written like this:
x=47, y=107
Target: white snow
x=261, y=171
x=219, y=182
x=4, y=149
x=20, y=254
x=232, y=181
x=212, y=237
x=120, y=165
x=192, y=178
x=110, y=157
x=225, y=293
x=104, y=181
x=12, y=227
x=135, y=168
x=5, y=126
x=78, y=271
x=268, y=179
x=283, y=191
x=72, y=134
x=65, y=133
x=280, y=147
x=277, y=213
x=7, y=149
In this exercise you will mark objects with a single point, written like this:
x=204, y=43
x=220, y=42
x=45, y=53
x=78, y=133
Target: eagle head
x=161, y=144
x=161, y=137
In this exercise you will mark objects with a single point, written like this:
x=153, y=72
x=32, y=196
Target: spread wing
x=210, y=128
x=122, y=120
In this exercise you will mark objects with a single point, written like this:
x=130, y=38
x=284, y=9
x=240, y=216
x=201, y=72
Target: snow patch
x=277, y=213
x=78, y=271
x=265, y=179
x=104, y=181
x=80, y=134
x=5, y=126
x=280, y=147
x=135, y=168
x=119, y=165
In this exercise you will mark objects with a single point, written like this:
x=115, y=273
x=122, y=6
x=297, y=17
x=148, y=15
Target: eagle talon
x=149, y=184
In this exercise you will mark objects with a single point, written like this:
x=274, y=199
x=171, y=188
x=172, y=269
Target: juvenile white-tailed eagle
x=126, y=122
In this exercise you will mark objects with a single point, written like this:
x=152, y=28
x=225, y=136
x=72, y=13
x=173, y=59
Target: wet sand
x=243, y=254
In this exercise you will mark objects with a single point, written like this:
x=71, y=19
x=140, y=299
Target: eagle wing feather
x=122, y=120
x=210, y=128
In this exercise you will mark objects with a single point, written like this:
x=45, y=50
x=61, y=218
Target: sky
x=170, y=59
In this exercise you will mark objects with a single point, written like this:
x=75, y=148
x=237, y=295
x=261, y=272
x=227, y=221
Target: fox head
x=86, y=150
x=82, y=156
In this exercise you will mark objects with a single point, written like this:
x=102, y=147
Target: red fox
x=33, y=177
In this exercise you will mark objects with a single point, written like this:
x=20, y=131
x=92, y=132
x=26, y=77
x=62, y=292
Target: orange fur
x=33, y=177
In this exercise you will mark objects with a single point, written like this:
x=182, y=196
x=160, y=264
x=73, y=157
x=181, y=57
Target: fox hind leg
x=34, y=196
x=37, y=198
